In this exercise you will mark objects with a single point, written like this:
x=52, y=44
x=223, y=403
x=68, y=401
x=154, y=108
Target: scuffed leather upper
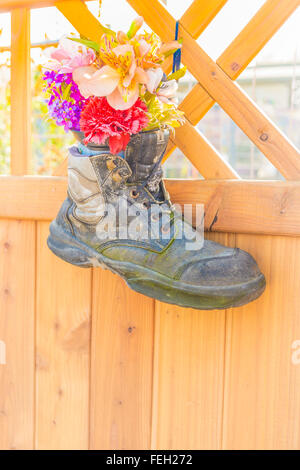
x=99, y=180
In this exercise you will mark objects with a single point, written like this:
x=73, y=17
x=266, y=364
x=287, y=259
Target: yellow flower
x=127, y=62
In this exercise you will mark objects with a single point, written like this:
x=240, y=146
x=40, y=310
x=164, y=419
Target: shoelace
x=153, y=184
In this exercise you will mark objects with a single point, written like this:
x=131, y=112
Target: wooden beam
x=263, y=133
x=199, y=14
x=270, y=207
x=20, y=92
x=266, y=207
x=41, y=45
x=8, y=5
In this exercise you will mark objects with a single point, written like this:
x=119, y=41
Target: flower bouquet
x=113, y=89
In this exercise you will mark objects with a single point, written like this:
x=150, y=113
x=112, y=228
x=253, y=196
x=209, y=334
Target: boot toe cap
x=236, y=268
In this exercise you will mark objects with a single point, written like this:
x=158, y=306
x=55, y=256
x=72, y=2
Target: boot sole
x=151, y=283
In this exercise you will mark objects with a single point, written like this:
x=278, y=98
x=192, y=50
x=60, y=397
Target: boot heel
x=68, y=248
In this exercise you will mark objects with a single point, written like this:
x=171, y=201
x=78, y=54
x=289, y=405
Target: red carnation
x=99, y=122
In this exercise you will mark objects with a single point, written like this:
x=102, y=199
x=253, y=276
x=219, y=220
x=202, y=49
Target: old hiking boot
x=88, y=232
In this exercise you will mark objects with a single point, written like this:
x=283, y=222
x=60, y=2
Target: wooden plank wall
x=91, y=364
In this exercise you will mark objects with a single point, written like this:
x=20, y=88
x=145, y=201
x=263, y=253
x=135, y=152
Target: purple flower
x=64, y=101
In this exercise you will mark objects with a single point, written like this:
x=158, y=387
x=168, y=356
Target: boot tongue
x=142, y=155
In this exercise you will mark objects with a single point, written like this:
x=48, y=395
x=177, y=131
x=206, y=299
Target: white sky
x=283, y=47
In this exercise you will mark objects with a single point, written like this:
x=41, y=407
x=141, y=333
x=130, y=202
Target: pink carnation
x=100, y=122
x=70, y=55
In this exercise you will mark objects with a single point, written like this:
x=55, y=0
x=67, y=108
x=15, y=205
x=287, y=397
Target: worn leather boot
x=148, y=247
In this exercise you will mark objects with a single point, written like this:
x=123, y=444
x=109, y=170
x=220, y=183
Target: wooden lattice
x=215, y=80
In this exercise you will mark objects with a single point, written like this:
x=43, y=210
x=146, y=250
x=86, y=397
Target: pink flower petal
x=96, y=82
x=130, y=75
x=59, y=54
x=123, y=49
x=141, y=76
x=83, y=73
x=168, y=89
x=154, y=78
x=71, y=55
x=169, y=46
x=144, y=47
x=116, y=101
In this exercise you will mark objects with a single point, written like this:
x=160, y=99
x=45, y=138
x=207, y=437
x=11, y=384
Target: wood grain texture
x=62, y=350
x=243, y=206
x=17, y=310
x=20, y=131
x=7, y=5
x=270, y=207
x=199, y=14
x=31, y=197
x=121, y=374
x=262, y=385
x=188, y=376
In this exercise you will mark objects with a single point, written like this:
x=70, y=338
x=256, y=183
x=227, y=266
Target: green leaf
x=86, y=42
x=108, y=31
x=172, y=51
x=177, y=75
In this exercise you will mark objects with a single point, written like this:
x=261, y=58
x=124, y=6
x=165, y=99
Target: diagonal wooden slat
x=202, y=154
x=191, y=142
x=196, y=18
x=265, y=135
x=81, y=18
x=270, y=17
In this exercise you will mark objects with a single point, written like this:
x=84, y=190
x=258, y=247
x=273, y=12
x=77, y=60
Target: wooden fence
x=90, y=363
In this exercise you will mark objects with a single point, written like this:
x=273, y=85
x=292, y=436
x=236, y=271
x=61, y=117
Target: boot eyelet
x=154, y=217
x=165, y=229
x=134, y=194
